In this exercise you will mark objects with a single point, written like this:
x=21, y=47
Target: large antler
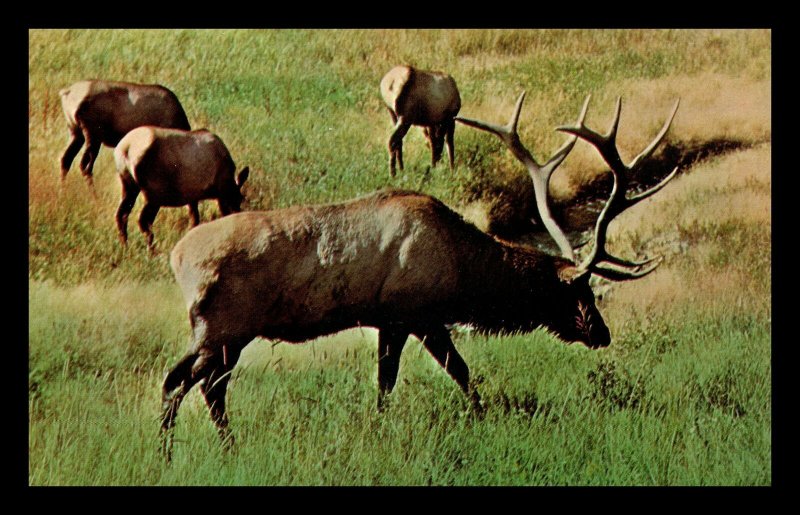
x=540, y=174
x=599, y=261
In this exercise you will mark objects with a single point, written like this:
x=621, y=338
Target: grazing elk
x=172, y=168
x=427, y=99
x=399, y=261
x=102, y=112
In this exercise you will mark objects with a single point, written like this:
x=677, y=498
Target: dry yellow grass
x=713, y=108
x=117, y=301
x=477, y=50
x=732, y=190
x=669, y=293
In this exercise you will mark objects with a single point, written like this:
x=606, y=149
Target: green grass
x=681, y=397
x=676, y=405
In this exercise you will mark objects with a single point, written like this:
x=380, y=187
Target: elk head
x=231, y=201
x=573, y=313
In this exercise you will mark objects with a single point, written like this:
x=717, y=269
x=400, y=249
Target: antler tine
x=624, y=274
x=630, y=201
x=650, y=148
x=643, y=195
x=611, y=135
x=540, y=175
x=549, y=167
x=507, y=133
x=512, y=124
x=503, y=131
x=605, y=143
x=613, y=260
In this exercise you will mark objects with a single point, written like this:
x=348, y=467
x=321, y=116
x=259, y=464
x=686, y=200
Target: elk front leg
x=146, y=219
x=435, y=136
x=76, y=141
x=396, y=144
x=450, y=129
x=224, y=208
x=440, y=345
x=390, y=345
x=194, y=214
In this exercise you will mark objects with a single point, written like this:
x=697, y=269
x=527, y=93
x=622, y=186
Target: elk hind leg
x=435, y=138
x=177, y=384
x=130, y=190
x=88, y=158
x=74, y=145
x=197, y=366
x=215, y=388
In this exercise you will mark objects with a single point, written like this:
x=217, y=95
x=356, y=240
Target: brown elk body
x=424, y=98
x=173, y=168
x=101, y=112
x=398, y=261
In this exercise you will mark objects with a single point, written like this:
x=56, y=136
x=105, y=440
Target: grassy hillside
x=682, y=396
x=302, y=109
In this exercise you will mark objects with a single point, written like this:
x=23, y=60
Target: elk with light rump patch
x=174, y=168
x=428, y=99
x=100, y=112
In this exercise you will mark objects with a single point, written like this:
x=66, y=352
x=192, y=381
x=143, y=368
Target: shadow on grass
x=513, y=215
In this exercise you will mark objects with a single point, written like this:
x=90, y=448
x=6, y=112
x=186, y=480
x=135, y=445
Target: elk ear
x=571, y=274
x=243, y=175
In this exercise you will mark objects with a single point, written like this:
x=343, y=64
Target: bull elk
x=425, y=98
x=173, y=168
x=101, y=112
x=398, y=261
